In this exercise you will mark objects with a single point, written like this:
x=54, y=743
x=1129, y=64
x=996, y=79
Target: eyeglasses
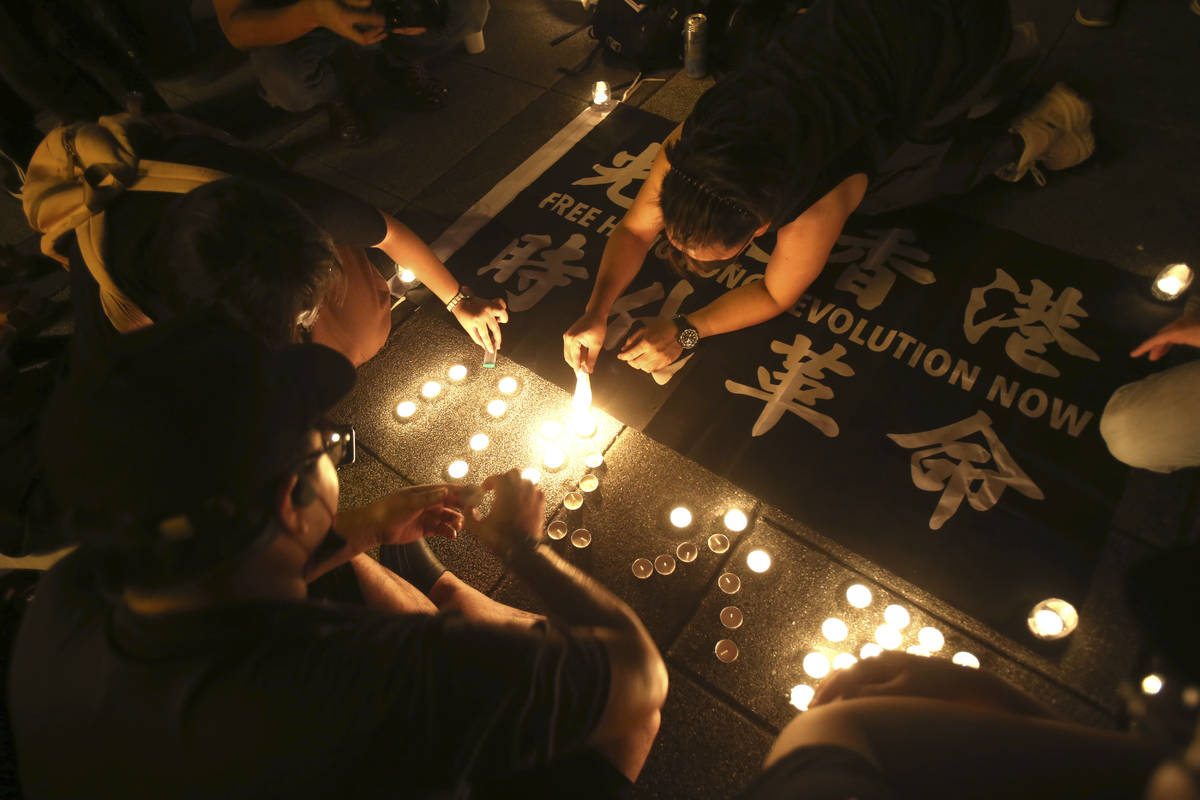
x=683, y=261
x=339, y=442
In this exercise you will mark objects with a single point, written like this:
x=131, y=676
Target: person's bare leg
x=451, y=593
x=384, y=590
x=629, y=755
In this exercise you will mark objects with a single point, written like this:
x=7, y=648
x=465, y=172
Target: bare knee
x=629, y=753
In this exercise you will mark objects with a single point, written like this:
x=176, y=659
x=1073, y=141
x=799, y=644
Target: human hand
x=905, y=675
x=515, y=515
x=351, y=19
x=409, y=31
x=415, y=512
x=481, y=318
x=1185, y=330
x=652, y=346
x=583, y=340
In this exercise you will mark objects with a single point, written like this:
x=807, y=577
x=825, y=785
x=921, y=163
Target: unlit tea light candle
x=589, y=483
x=557, y=529
x=642, y=568
x=573, y=500
x=664, y=564
x=687, y=552
x=718, y=543
x=581, y=538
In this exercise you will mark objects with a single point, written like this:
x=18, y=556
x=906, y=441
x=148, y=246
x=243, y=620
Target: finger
x=571, y=349
x=445, y=531
x=1150, y=344
x=494, y=330
x=589, y=359
x=474, y=334
x=408, y=31
x=503, y=314
x=633, y=341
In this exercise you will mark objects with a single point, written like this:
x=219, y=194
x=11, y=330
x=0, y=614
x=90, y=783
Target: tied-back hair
x=248, y=250
x=709, y=199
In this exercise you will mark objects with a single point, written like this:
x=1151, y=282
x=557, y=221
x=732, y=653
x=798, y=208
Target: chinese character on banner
x=874, y=261
x=796, y=387
x=1039, y=321
x=955, y=468
x=537, y=276
x=625, y=170
x=620, y=321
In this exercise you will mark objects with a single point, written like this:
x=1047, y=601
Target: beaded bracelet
x=458, y=298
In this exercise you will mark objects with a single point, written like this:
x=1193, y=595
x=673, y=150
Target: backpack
x=75, y=173
x=649, y=33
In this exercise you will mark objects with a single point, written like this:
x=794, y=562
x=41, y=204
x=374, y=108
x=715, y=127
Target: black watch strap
x=686, y=333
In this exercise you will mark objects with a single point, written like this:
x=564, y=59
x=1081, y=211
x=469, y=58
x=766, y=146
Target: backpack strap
x=76, y=173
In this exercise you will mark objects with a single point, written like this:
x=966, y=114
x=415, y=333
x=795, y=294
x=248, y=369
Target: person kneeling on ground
x=1154, y=423
x=260, y=240
x=860, y=106
x=175, y=653
x=900, y=725
x=302, y=50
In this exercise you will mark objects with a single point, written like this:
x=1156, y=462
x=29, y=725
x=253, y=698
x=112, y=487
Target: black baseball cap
x=180, y=414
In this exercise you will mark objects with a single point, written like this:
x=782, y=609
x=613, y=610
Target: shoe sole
x=1076, y=127
x=1087, y=22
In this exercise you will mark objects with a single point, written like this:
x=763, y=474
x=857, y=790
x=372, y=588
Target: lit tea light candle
x=664, y=564
x=735, y=520
x=758, y=560
x=1190, y=696
x=888, y=637
x=816, y=665
x=589, y=483
x=531, y=474
x=553, y=457
x=729, y=583
x=931, y=639
x=844, y=661
x=456, y=372
x=802, y=695
x=965, y=659
x=687, y=552
x=593, y=459
x=718, y=543
x=835, y=630
x=497, y=408
x=1053, y=619
x=858, y=595
x=1152, y=684
x=583, y=425
x=407, y=276
x=681, y=517
x=507, y=385
x=642, y=568
x=726, y=651
x=556, y=529
x=600, y=93
x=479, y=441
x=573, y=500
x=869, y=650
x=431, y=390
x=896, y=616
x=406, y=409
x=731, y=617
x=1172, y=281
x=917, y=650
x=457, y=469
x=551, y=429
x=581, y=538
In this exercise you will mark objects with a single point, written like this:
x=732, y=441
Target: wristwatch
x=687, y=336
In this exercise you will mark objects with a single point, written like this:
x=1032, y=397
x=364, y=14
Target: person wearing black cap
x=175, y=653
x=857, y=106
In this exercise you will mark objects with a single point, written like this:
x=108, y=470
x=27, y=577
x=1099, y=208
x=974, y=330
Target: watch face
x=688, y=337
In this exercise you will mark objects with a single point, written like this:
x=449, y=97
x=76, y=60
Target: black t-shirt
x=132, y=222
x=843, y=85
x=285, y=699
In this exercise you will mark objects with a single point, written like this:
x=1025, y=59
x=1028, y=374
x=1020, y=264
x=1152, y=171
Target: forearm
x=620, y=264
x=738, y=308
x=410, y=252
x=638, y=681
x=247, y=27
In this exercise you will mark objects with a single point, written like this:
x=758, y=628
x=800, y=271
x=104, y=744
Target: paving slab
x=783, y=639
